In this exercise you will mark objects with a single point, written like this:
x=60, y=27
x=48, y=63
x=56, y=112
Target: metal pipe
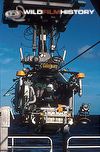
x=80, y=87
x=64, y=55
x=21, y=54
x=12, y=144
x=34, y=40
x=73, y=103
x=40, y=3
x=42, y=40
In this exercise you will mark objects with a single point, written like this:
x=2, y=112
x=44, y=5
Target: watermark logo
x=57, y=12
x=20, y=13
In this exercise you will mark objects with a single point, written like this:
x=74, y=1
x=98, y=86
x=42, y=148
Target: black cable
x=80, y=54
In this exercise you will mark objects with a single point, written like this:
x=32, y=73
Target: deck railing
x=83, y=146
x=13, y=145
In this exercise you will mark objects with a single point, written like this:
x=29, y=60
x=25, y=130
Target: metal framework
x=44, y=3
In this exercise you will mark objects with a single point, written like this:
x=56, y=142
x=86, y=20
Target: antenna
x=64, y=54
x=21, y=54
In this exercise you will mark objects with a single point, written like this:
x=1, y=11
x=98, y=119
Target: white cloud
x=5, y=56
x=3, y=50
x=92, y=53
x=89, y=54
x=6, y=60
x=1, y=54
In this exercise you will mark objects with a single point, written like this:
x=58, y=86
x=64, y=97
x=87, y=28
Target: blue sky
x=82, y=31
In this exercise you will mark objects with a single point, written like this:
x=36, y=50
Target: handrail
x=81, y=137
x=30, y=147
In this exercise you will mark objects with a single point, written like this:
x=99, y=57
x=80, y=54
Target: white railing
x=69, y=146
x=13, y=147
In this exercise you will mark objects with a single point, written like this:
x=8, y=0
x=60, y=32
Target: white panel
x=5, y=116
